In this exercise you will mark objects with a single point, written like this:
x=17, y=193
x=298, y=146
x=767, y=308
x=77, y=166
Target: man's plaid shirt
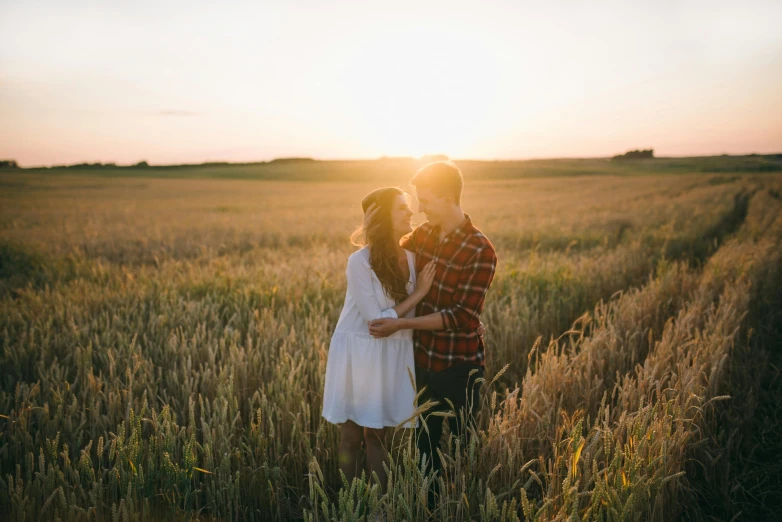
x=465, y=263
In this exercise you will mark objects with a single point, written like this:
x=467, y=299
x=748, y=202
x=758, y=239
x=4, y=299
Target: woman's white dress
x=367, y=379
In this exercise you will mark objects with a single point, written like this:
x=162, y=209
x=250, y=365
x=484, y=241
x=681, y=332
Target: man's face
x=400, y=216
x=435, y=207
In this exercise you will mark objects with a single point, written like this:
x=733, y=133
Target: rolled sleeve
x=448, y=319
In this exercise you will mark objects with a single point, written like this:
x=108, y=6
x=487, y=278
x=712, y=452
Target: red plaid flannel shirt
x=465, y=263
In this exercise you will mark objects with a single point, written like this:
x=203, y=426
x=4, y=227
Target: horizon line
x=380, y=158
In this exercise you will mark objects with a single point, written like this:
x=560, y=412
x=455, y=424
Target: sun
x=427, y=91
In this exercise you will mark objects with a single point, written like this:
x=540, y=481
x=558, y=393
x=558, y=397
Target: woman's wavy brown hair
x=378, y=237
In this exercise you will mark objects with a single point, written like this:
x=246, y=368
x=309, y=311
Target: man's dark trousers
x=458, y=386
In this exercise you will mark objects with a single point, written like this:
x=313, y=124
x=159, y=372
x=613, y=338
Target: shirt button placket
x=438, y=256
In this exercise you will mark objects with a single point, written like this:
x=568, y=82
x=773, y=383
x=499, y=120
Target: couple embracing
x=413, y=305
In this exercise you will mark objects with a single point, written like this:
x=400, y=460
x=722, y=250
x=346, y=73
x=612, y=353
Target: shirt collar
x=459, y=232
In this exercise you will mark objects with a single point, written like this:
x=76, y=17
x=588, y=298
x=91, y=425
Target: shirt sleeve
x=471, y=291
x=362, y=291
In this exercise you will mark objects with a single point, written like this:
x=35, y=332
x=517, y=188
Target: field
x=165, y=332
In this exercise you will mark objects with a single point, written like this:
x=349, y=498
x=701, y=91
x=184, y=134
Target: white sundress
x=367, y=379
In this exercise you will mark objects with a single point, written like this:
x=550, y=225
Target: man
x=449, y=352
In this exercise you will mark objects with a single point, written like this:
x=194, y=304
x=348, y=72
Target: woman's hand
x=425, y=279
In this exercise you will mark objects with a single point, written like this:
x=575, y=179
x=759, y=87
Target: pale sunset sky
x=192, y=81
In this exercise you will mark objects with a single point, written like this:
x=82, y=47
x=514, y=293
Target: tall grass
x=164, y=359
x=563, y=446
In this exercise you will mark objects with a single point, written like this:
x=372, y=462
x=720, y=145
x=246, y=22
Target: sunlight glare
x=427, y=92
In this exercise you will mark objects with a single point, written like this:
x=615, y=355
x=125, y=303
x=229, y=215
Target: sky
x=192, y=81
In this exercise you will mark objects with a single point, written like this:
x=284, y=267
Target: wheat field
x=164, y=342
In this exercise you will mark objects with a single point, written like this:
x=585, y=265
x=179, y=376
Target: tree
x=635, y=154
x=8, y=164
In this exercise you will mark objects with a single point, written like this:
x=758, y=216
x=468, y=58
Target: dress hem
x=374, y=427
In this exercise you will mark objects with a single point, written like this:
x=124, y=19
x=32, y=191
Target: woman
x=368, y=386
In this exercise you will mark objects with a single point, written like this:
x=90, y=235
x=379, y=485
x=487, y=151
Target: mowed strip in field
x=164, y=344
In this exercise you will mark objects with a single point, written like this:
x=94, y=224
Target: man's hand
x=380, y=328
x=481, y=329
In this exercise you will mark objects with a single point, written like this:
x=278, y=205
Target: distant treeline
x=88, y=166
x=144, y=164
x=635, y=154
x=400, y=169
x=277, y=161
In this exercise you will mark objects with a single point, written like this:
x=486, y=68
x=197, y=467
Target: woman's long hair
x=378, y=237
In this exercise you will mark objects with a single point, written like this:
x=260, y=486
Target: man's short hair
x=441, y=177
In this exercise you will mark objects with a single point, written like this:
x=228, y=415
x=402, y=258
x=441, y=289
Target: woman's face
x=400, y=216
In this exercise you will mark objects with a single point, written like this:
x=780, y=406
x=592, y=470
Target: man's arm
x=471, y=291
x=468, y=301
x=386, y=327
